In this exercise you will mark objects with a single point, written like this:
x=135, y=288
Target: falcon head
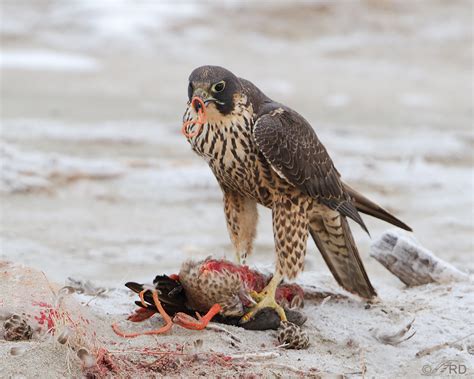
x=216, y=86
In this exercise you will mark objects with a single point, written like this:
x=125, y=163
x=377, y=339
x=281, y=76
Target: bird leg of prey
x=157, y=303
x=188, y=322
x=266, y=299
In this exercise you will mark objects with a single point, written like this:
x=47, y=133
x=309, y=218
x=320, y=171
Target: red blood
x=47, y=318
x=288, y=292
x=42, y=304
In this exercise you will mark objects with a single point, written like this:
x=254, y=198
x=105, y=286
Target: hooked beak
x=205, y=97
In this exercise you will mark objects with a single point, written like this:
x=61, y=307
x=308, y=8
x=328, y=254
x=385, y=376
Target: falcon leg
x=241, y=216
x=188, y=322
x=290, y=230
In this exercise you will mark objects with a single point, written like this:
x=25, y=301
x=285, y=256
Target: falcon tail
x=368, y=207
x=336, y=244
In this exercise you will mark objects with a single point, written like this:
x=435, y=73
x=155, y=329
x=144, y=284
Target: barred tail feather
x=333, y=237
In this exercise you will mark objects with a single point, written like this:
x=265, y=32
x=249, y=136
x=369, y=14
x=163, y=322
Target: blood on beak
x=197, y=103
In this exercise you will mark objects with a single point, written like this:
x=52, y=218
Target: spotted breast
x=226, y=143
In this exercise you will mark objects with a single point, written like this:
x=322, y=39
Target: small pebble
x=17, y=350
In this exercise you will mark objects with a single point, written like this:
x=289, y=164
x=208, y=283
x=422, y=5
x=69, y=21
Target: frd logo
x=451, y=367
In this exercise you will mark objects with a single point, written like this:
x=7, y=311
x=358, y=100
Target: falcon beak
x=205, y=97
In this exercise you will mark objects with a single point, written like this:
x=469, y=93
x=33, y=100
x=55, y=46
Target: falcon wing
x=291, y=146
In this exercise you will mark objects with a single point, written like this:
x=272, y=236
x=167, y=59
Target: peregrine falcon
x=263, y=152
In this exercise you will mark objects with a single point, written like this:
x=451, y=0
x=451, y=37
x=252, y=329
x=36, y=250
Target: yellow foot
x=264, y=299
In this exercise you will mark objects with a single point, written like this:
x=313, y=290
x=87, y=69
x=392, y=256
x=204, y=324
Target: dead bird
x=221, y=286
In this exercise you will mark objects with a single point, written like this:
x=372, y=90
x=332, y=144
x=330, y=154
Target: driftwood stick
x=440, y=346
x=411, y=263
x=264, y=355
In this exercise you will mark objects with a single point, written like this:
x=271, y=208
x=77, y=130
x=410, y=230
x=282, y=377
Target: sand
x=348, y=337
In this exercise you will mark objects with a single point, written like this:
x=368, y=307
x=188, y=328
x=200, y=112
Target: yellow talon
x=265, y=299
x=257, y=296
x=268, y=301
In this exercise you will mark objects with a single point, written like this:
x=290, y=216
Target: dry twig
x=432, y=349
x=256, y=356
x=218, y=328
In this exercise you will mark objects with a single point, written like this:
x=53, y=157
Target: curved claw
x=265, y=300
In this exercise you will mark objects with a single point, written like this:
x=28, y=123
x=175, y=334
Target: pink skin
x=188, y=322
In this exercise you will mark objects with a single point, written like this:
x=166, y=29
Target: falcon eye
x=218, y=87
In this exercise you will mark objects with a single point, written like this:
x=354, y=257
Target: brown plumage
x=263, y=152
